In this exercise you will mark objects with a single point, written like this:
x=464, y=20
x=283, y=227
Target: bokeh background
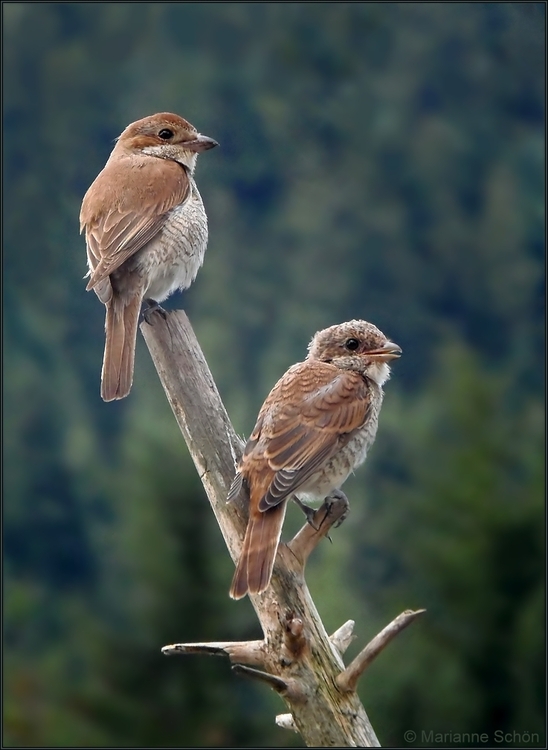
x=378, y=160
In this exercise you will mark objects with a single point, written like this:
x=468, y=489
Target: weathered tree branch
x=348, y=679
x=296, y=657
x=343, y=636
x=239, y=652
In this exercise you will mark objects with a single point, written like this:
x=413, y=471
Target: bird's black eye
x=352, y=344
x=165, y=134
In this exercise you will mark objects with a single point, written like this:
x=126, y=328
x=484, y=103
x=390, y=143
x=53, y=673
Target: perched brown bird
x=146, y=232
x=313, y=430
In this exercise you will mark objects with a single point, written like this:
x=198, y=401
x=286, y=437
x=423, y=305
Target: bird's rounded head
x=166, y=136
x=355, y=345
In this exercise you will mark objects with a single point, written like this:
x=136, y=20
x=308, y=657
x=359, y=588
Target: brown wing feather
x=310, y=413
x=126, y=207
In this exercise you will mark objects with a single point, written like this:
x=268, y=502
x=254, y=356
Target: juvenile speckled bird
x=146, y=232
x=313, y=430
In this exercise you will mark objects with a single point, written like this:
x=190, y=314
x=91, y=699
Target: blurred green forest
x=378, y=160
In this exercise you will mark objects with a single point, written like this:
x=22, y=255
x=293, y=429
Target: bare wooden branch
x=239, y=652
x=279, y=685
x=291, y=689
x=348, y=679
x=343, y=636
x=297, y=657
x=285, y=721
x=213, y=445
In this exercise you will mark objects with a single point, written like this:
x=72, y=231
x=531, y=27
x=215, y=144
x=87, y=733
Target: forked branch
x=297, y=658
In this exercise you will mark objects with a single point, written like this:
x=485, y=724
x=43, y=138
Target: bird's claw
x=332, y=502
x=152, y=307
x=333, y=499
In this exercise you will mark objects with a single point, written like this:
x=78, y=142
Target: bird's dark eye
x=352, y=344
x=166, y=134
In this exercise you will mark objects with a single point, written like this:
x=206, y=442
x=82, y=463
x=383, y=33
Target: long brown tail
x=119, y=358
x=254, y=568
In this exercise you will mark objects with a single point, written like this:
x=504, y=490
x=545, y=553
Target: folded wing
x=309, y=415
x=121, y=214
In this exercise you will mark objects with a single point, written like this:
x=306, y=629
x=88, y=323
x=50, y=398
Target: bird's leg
x=151, y=307
x=307, y=510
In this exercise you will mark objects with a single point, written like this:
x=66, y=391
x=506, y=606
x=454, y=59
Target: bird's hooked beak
x=200, y=143
x=387, y=352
